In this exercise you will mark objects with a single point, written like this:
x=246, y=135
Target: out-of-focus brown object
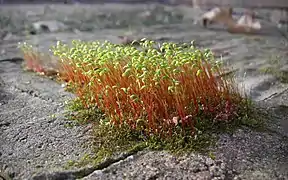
x=217, y=15
x=246, y=24
x=273, y=4
x=125, y=40
x=279, y=12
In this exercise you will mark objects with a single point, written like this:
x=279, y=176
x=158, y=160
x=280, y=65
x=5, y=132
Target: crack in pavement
x=29, y=140
x=84, y=172
x=34, y=93
x=4, y=176
x=13, y=60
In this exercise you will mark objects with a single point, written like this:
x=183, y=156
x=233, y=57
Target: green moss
x=281, y=75
x=115, y=77
x=80, y=114
x=110, y=141
x=274, y=68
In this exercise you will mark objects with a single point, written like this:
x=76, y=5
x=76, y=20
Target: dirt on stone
x=36, y=141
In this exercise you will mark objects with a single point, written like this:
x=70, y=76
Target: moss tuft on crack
x=110, y=141
x=158, y=97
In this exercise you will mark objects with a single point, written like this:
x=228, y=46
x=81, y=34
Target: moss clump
x=111, y=140
x=149, y=89
x=157, y=96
